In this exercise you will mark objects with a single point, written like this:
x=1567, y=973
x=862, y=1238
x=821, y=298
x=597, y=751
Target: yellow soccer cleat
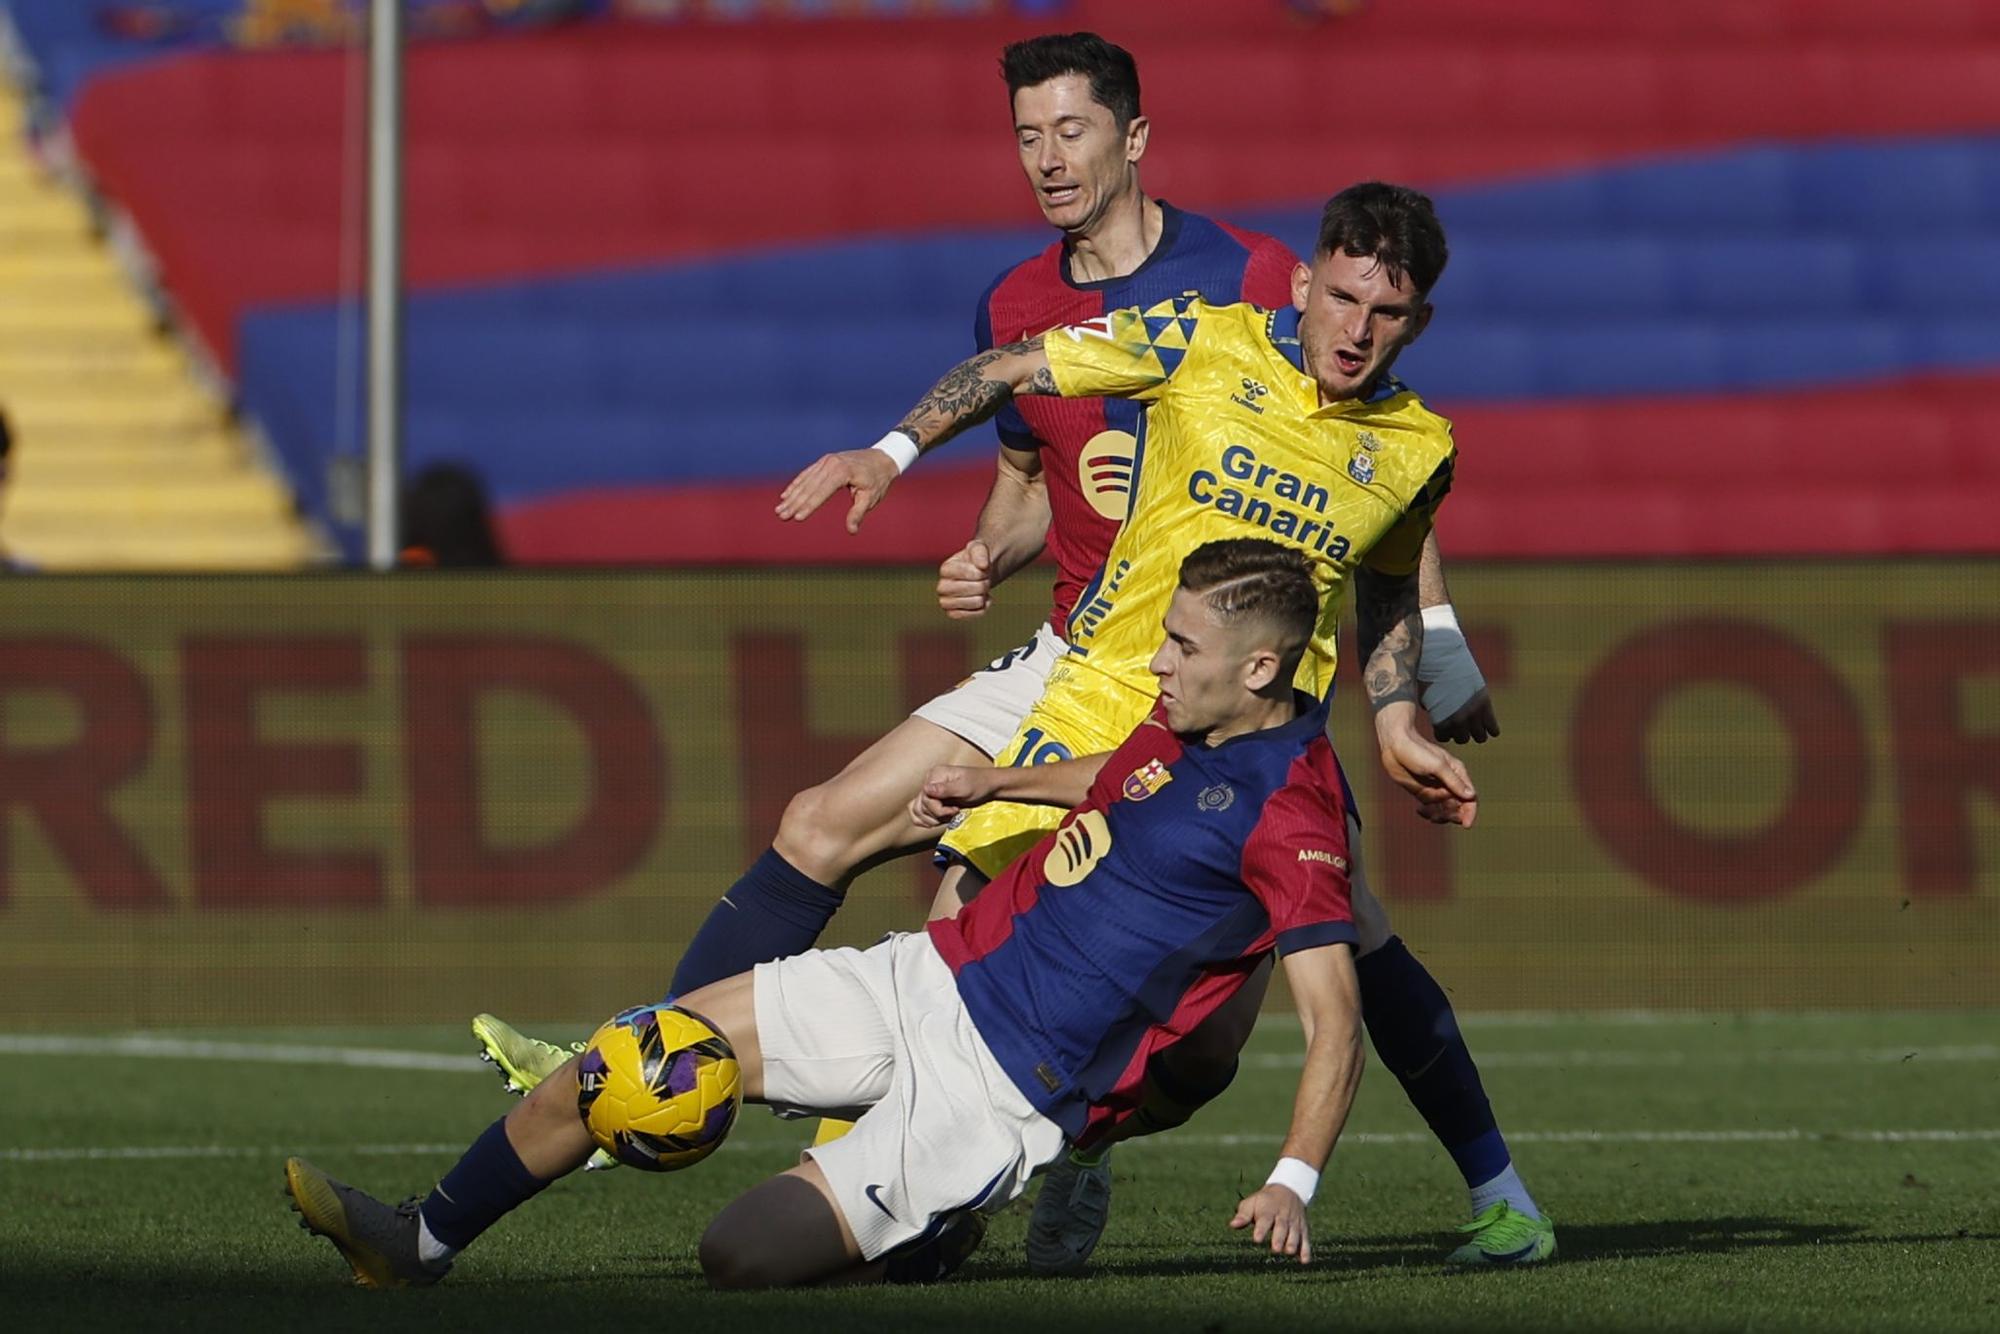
x=379, y=1241
x=523, y=1061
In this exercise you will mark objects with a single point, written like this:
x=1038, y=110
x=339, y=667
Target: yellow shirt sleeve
x=1399, y=549
x=1130, y=353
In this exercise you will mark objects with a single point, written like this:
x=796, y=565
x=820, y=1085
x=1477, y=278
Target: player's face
x=1075, y=155
x=1209, y=672
x=1354, y=320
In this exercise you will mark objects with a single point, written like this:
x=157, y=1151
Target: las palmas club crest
x=1362, y=466
x=1146, y=780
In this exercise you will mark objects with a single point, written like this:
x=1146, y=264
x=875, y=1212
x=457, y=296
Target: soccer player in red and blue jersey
x=1212, y=837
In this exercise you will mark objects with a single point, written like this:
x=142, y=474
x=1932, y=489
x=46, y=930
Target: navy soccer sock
x=773, y=912
x=479, y=1190
x=1416, y=1035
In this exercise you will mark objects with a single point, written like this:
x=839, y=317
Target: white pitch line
x=1791, y=1135
x=152, y=1151
x=147, y=1047
x=200, y=1049
x=1364, y=1139
x=1721, y=1019
x=1645, y=1060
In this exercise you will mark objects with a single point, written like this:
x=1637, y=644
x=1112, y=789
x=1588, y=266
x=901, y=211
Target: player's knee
x=731, y=1260
x=815, y=836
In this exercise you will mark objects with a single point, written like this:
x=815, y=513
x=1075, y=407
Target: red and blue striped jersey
x=1087, y=443
x=1149, y=907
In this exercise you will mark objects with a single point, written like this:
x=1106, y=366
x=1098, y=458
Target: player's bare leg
x=831, y=831
x=784, y=1232
x=861, y=815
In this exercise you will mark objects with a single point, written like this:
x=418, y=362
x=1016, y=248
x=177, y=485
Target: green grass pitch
x=1706, y=1172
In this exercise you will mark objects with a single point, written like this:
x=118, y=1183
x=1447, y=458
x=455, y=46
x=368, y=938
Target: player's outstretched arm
x=1451, y=686
x=1013, y=526
x=951, y=788
x=1329, y=1000
x=1391, y=630
x=969, y=393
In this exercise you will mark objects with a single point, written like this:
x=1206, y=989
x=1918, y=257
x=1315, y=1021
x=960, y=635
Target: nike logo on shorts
x=876, y=1200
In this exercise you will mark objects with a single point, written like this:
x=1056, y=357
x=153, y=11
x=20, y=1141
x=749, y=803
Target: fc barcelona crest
x=1361, y=468
x=1146, y=780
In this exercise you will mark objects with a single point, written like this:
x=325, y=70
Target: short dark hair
x=1394, y=223
x=6, y=437
x=1250, y=576
x=1113, y=74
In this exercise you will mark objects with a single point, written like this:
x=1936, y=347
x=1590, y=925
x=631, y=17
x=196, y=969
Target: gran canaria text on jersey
x=1240, y=464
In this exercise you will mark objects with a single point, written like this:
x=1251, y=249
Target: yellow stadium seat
x=124, y=458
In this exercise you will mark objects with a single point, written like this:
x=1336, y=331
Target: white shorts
x=884, y=1030
x=987, y=707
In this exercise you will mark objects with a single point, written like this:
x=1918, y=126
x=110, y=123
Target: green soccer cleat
x=523, y=1061
x=378, y=1240
x=1503, y=1235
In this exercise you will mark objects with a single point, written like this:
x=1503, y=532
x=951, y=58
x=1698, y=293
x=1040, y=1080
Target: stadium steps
x=123, y=458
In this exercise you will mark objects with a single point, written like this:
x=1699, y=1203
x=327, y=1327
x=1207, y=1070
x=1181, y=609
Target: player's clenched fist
x=947, y=790
x=965, y=582
x=1279, y=1216
x=868, y=473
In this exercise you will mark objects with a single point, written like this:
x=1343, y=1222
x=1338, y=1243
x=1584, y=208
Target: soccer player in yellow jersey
x=1283, y=424
x=1286, y=425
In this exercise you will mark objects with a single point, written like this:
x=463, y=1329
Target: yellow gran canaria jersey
x=1237, y=444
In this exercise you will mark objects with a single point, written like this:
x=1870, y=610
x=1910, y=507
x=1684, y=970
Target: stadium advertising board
x=351, y=798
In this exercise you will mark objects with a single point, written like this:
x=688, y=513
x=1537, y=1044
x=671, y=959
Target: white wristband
x=1295, y=1176
x=902, y=450
x=1440, y=617
x=1447, y=675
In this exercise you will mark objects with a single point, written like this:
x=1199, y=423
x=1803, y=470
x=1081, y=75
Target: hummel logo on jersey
x=1252, y=391
x=1322, y=855
x=1146, y=780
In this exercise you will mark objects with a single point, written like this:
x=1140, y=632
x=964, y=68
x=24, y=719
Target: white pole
x=385, y=274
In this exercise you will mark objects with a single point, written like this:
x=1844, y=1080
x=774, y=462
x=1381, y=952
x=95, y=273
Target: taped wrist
x=1447, y=675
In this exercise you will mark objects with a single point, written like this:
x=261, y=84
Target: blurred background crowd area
x=1725, y=275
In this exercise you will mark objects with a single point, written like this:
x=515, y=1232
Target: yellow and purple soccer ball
x=658, y=1088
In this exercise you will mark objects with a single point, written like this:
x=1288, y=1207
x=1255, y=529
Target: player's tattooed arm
x=1391, y=628
x=969, y=393
x=974, y=390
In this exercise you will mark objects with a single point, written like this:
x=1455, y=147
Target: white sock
x=430, y=1250
x=1507, y=1186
